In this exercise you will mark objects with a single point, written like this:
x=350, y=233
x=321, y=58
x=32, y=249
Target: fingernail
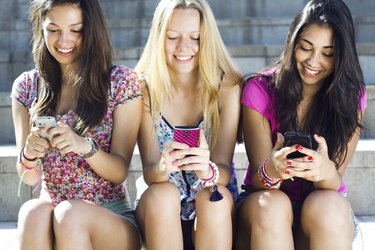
x=310, y=158
x=317, y=135
x=299, y=147
x=288, y=163
x=287, y=172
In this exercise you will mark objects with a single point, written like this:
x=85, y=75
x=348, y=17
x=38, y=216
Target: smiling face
x=314, y=54
x=182, y=41
x=62, y=30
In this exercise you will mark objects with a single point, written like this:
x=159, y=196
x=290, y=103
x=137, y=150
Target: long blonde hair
x=214, y=62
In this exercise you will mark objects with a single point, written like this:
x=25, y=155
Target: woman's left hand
x=195, y=158
x=66, y=140
x=316, y=165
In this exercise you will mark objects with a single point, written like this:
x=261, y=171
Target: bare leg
x=214, y=221
x=91, y=226
x=158, y=214
x=327, y=220
x=265, y=221
x=35, y=225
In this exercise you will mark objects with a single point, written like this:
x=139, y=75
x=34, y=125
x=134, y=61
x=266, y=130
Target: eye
x=172, y=37
x=77, y=31
x=328, y=54
x=304, y=49
x=51, y=30
x=196, y=38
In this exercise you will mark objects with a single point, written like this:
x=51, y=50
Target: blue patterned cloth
x=187, y=181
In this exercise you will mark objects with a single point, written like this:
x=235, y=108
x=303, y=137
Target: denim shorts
x=123, y=209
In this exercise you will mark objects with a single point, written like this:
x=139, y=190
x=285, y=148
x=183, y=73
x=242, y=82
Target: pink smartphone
x=187, y=135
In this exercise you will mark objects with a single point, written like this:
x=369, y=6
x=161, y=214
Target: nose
x=314, y=59
x=64, y=37
x=183, y=43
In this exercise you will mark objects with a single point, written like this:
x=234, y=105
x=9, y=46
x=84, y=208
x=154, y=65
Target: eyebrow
x=325, y=47
x=73, y=24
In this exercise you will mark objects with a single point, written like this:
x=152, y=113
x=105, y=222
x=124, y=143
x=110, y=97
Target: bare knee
x=161, y=198
x=35, y=224
x=68, y=217
x=267, y=210
x=326, y=209
x=217, y=209
x=34, y=213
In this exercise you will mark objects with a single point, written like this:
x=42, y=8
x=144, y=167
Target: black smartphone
x=293, y=138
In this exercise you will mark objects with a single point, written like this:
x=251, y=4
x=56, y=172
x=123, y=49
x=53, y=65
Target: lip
x=64, y=52
x=309, y=72
x=183, y=59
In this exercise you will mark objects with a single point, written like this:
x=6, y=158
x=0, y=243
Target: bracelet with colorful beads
x=214, y=178
x=265, y=179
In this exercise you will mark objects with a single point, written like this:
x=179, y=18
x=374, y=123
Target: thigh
x=106, y=229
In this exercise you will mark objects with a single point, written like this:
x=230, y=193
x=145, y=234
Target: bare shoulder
x=230, y=90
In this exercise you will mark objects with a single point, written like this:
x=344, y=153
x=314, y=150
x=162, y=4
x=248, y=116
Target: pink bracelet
x=213, y=173
x=215, y=177
x=27, y=168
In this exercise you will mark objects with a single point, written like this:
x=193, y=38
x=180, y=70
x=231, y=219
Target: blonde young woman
x=190, y=80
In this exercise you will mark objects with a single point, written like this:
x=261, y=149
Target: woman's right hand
x=35, y=145
x=167, y=158
x=279, y=160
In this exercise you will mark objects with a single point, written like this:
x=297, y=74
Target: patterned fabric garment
x=69, y=176
x=187, y=181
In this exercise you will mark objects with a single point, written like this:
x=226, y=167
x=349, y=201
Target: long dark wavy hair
x=334, y=110
x=92, y=77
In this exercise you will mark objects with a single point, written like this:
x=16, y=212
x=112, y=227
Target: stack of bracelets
x=27, y=168
x=265, y=179
x=209, y=182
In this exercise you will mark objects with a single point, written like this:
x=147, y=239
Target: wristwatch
x=94, y=148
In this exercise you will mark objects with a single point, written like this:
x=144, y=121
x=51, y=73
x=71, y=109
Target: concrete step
x=359, y=175
x=127, y=33
x=130, y=9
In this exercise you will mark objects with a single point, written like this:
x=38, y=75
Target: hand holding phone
x=45, y=123
x=293, y=138
x=187, y=135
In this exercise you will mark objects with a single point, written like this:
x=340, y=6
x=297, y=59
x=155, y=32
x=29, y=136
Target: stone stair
x=254, y=32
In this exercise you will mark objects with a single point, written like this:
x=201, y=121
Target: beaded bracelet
x=265, y=179
x=214, y=178
x=27, y=168
x=22, y=155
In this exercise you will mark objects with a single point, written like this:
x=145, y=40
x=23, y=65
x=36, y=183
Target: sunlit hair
x=334, y=110
x=214, y=61
x=92, y=77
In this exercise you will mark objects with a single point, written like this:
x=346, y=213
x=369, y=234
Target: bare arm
x=222, y=153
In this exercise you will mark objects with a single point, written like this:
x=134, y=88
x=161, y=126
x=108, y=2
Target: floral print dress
x=69, y=176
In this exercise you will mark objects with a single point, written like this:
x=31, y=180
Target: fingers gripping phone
x=45, y=122
x=293, y=138
x=187, y=135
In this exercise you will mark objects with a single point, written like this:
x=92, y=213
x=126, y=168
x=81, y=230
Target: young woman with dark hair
x=315, y=87
x=86, y=159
